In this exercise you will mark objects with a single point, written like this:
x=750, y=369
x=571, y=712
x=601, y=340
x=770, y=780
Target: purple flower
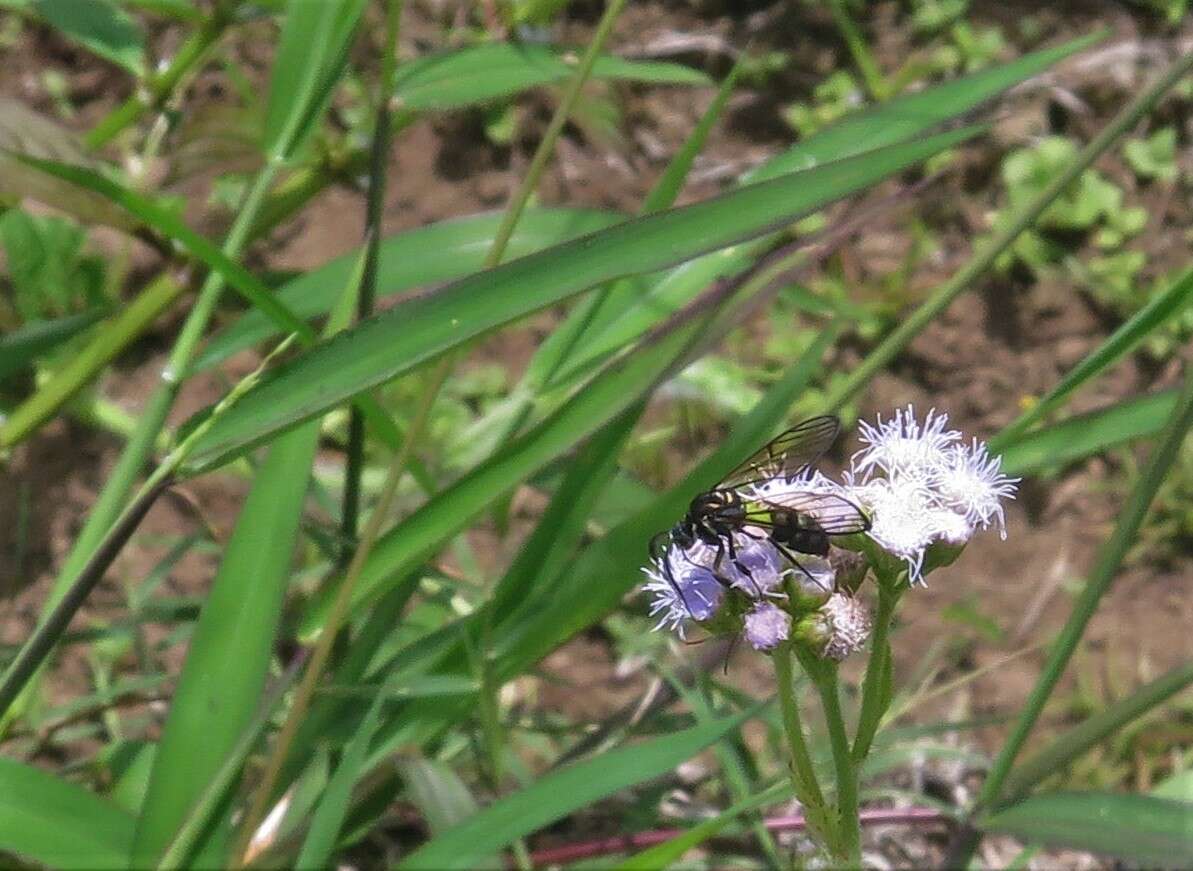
x=767, y=626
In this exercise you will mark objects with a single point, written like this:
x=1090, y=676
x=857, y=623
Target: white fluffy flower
x=920, y=484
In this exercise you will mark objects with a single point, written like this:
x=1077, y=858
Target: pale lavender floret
x=698, y=597
x=767, y=626
x=764, y=567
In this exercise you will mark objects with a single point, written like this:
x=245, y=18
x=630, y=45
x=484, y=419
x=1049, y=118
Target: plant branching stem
x=803, y=775
x=874, y=701
x=824, y=675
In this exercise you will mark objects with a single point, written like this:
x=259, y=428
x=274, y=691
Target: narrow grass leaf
x=332, y=809
x=1163, y=306
x=311, y=56
x=904, y=117
x=598, y=578
x=1095, y=729
x=438, y=252
x=20, y=348
x=482, y=73
x=101, y=27
x=53, y=822
x=220, y=687
x=1138, y=828
x=667, y=854
x=561, y=792
x=1087, y=434
x=393, y=342
x=437, y=792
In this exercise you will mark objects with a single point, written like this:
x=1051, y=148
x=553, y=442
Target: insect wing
x=834, y=514
x=788, y=453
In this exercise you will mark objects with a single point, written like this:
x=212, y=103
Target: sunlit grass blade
x=1163, y=306
x=424, y=256
x=904, y=117
x=1139, y=828
x=1096, y=729
x=1084, y=435
x=395, y=341
x=481, y=73
x=100, y=26
x=228, y=661
x=48, y=820
x=407, y=545
x=561, y=792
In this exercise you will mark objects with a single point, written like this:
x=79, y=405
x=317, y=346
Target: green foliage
x=52, y=274
x=533, y=491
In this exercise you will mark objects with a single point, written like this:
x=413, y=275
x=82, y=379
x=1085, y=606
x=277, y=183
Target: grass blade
x=444, y=251
x=221, y=682
x=561, y=792
x=483, y=73
x=1138, y=828
x=395, y=341
x=1095, y=729
x=1087, y=434
x=23, y=346
x=99, y=25
x=56, y=823
x=1151, y=317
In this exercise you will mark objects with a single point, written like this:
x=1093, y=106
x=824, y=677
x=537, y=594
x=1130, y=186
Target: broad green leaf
x=1139, y=828
x=561, y=792
x=100, y=26
x=1095, y=729
x=428, y=255
x=310, y=58
x=222, y=679
x=1087, y=434
x=1178, y=787
x=395, y=341
x=1171, y=302
x=907, y=116
x=481, y=73
x=22, y=346
x=57, y=823
x=24, y=132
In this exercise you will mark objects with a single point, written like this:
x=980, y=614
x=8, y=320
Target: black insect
x=801, y=524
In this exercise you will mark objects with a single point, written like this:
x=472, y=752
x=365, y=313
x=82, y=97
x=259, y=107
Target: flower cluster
x=917, y=485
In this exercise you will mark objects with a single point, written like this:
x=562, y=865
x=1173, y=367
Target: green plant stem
x=367, y=299
x=874, y=688
x=862, y=56
x=1002, y=239
x=824, y=675
x=110, y=338
x=803, y=775
x=163, y=85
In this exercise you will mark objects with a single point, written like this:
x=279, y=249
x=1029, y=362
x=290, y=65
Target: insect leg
x=791, y=558
x=663, y=558
x=726, y=543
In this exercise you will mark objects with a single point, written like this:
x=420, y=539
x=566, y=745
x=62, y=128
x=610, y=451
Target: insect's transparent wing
x=788, y=453
x=835, y=514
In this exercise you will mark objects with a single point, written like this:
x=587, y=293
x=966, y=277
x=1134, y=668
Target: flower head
x=695, y=595
x=971, y=482
x=767, y=626
x=850, y=621
x=758, y=569
x=902, y=446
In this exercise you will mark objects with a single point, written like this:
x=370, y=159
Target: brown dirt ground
x=994, y=347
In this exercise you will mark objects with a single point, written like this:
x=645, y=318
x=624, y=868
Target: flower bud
x=767, y=626
x=837, y=629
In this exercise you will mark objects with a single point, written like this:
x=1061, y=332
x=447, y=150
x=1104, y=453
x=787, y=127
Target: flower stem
x=876, y=687
x=824, y=676
x=803, y=776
